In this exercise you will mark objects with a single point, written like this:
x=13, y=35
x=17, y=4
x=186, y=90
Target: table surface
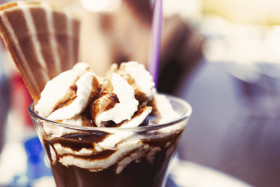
x=185, y=174
x=229, y=131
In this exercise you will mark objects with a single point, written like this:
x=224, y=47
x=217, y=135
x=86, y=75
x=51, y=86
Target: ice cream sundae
x=114, y=130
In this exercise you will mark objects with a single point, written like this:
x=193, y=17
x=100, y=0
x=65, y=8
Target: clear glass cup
x=110, y=156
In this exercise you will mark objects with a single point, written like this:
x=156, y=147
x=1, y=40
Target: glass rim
x=184, y=116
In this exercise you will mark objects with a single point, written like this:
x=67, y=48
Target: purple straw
x=155, y=39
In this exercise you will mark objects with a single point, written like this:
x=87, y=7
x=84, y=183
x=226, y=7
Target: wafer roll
x=42, y=39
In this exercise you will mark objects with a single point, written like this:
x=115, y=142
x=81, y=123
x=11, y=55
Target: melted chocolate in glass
x=140, y=174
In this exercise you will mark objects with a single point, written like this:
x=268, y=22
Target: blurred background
x=222, y=56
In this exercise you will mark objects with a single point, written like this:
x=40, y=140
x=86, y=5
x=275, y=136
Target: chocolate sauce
x=74, y=88
x=136, y=174
x=108, y=102
x=113, y=100
x=69, y=100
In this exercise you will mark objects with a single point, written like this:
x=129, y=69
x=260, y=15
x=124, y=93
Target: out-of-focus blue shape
x=36, y=165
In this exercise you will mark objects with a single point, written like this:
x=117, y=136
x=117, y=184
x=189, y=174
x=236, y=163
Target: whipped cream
x=86, y=88
x=69, y=157
x=59, y=89
x=125, y=98
x=133, y=149
x=142, y=78
x=165, y=110
x=125, y=108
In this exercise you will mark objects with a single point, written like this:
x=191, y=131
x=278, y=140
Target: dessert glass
x=147, y=168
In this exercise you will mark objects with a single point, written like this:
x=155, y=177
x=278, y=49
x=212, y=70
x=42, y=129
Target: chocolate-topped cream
x=125, y=98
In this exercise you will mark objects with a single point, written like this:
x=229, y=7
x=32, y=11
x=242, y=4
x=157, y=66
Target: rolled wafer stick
x=43, y=40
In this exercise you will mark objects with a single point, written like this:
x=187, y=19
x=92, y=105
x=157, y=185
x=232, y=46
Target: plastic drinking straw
x=155, y=40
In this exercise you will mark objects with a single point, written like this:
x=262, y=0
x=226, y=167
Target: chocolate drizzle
x=111, y=102
x=74, y=88
x=104, y=103
x=68, y=100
